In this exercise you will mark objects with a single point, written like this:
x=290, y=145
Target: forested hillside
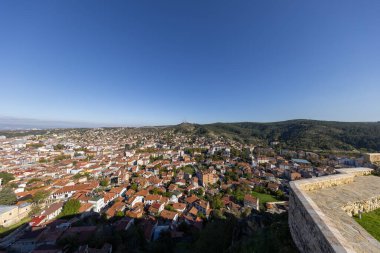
x=299, y=134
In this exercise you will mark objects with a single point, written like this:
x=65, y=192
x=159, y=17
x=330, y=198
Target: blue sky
x=164, y=62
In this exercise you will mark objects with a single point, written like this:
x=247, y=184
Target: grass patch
x=371, y=222
x=4, y=231
x=264, y=198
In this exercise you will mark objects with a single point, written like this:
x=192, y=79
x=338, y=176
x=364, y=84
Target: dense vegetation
x=7, y=197
x=71, y=207
x=6, y=177
x=297, y=134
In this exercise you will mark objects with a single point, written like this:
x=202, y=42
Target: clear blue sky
x=163, y=62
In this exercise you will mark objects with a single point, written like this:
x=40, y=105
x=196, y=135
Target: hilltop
x=296, y=134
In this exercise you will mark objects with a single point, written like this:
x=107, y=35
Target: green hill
x=297, y=134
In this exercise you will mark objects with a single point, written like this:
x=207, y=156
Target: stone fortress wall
x=314, y=231
x=367, y=205
x=372, y=157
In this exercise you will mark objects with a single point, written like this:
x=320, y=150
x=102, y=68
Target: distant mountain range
x=297, y=134
x=11, y=123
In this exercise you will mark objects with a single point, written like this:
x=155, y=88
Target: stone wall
x=353, y=208
x=325, y=182
x=372, y=157
x=304, y=230
x=344, y=176
x=311, y=230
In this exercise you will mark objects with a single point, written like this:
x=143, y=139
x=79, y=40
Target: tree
x=35, y=210
x=199, y=192
x=155, y=191
x=7, y=197
x=43, y=160
x=71, y=207
x=59, y=147
x=280, y=194
x=119, y=214
x=40, y=195
x=134, y=187
x=6, y=177
x=169, y=208
x=104, y=182
x=216, y=202
x=60, y=158
x=218, y=214
x=33, y=180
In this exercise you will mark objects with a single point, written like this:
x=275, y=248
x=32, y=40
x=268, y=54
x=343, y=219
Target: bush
x=7, y=197
x=6, y=177
x=71, y=207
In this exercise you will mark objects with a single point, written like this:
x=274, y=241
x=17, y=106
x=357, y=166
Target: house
x=123, y=224
x=273, y=186
x=156, y=208
x=10, y=215
x=173, y=199
x=207, y=177
x=295, y=176
x=109, y=197
x=262, y=160
x=68, y=191
x=150, y=199
x=115, y=208
x=202, y=206
x=193, y=211
x=251, y=202
x=190, y=200
x=86, y=209
x=119, y=190
x=169, y=215
x=136, y=212
x=48, y=214
x=98, y=203
x=53, y=210
x=179, y=207
x=37, y=221
x=134, y=200
x=147, y=225
x=142, y=193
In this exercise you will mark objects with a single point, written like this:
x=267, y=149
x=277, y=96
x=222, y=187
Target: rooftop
x=303, y=161
x=4, y=208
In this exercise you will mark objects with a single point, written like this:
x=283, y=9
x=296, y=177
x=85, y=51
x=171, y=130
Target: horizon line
x=16, y=123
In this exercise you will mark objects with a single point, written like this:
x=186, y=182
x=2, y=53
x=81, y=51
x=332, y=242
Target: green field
x=264, y=198
x=371, y=222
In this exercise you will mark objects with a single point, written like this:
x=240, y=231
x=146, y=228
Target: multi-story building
x=207, y=177
x=10, y=215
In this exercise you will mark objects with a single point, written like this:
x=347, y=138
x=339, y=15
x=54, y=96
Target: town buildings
x=161, y=180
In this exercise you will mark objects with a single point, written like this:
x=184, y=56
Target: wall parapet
x=311, y=229
x=344, y=176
